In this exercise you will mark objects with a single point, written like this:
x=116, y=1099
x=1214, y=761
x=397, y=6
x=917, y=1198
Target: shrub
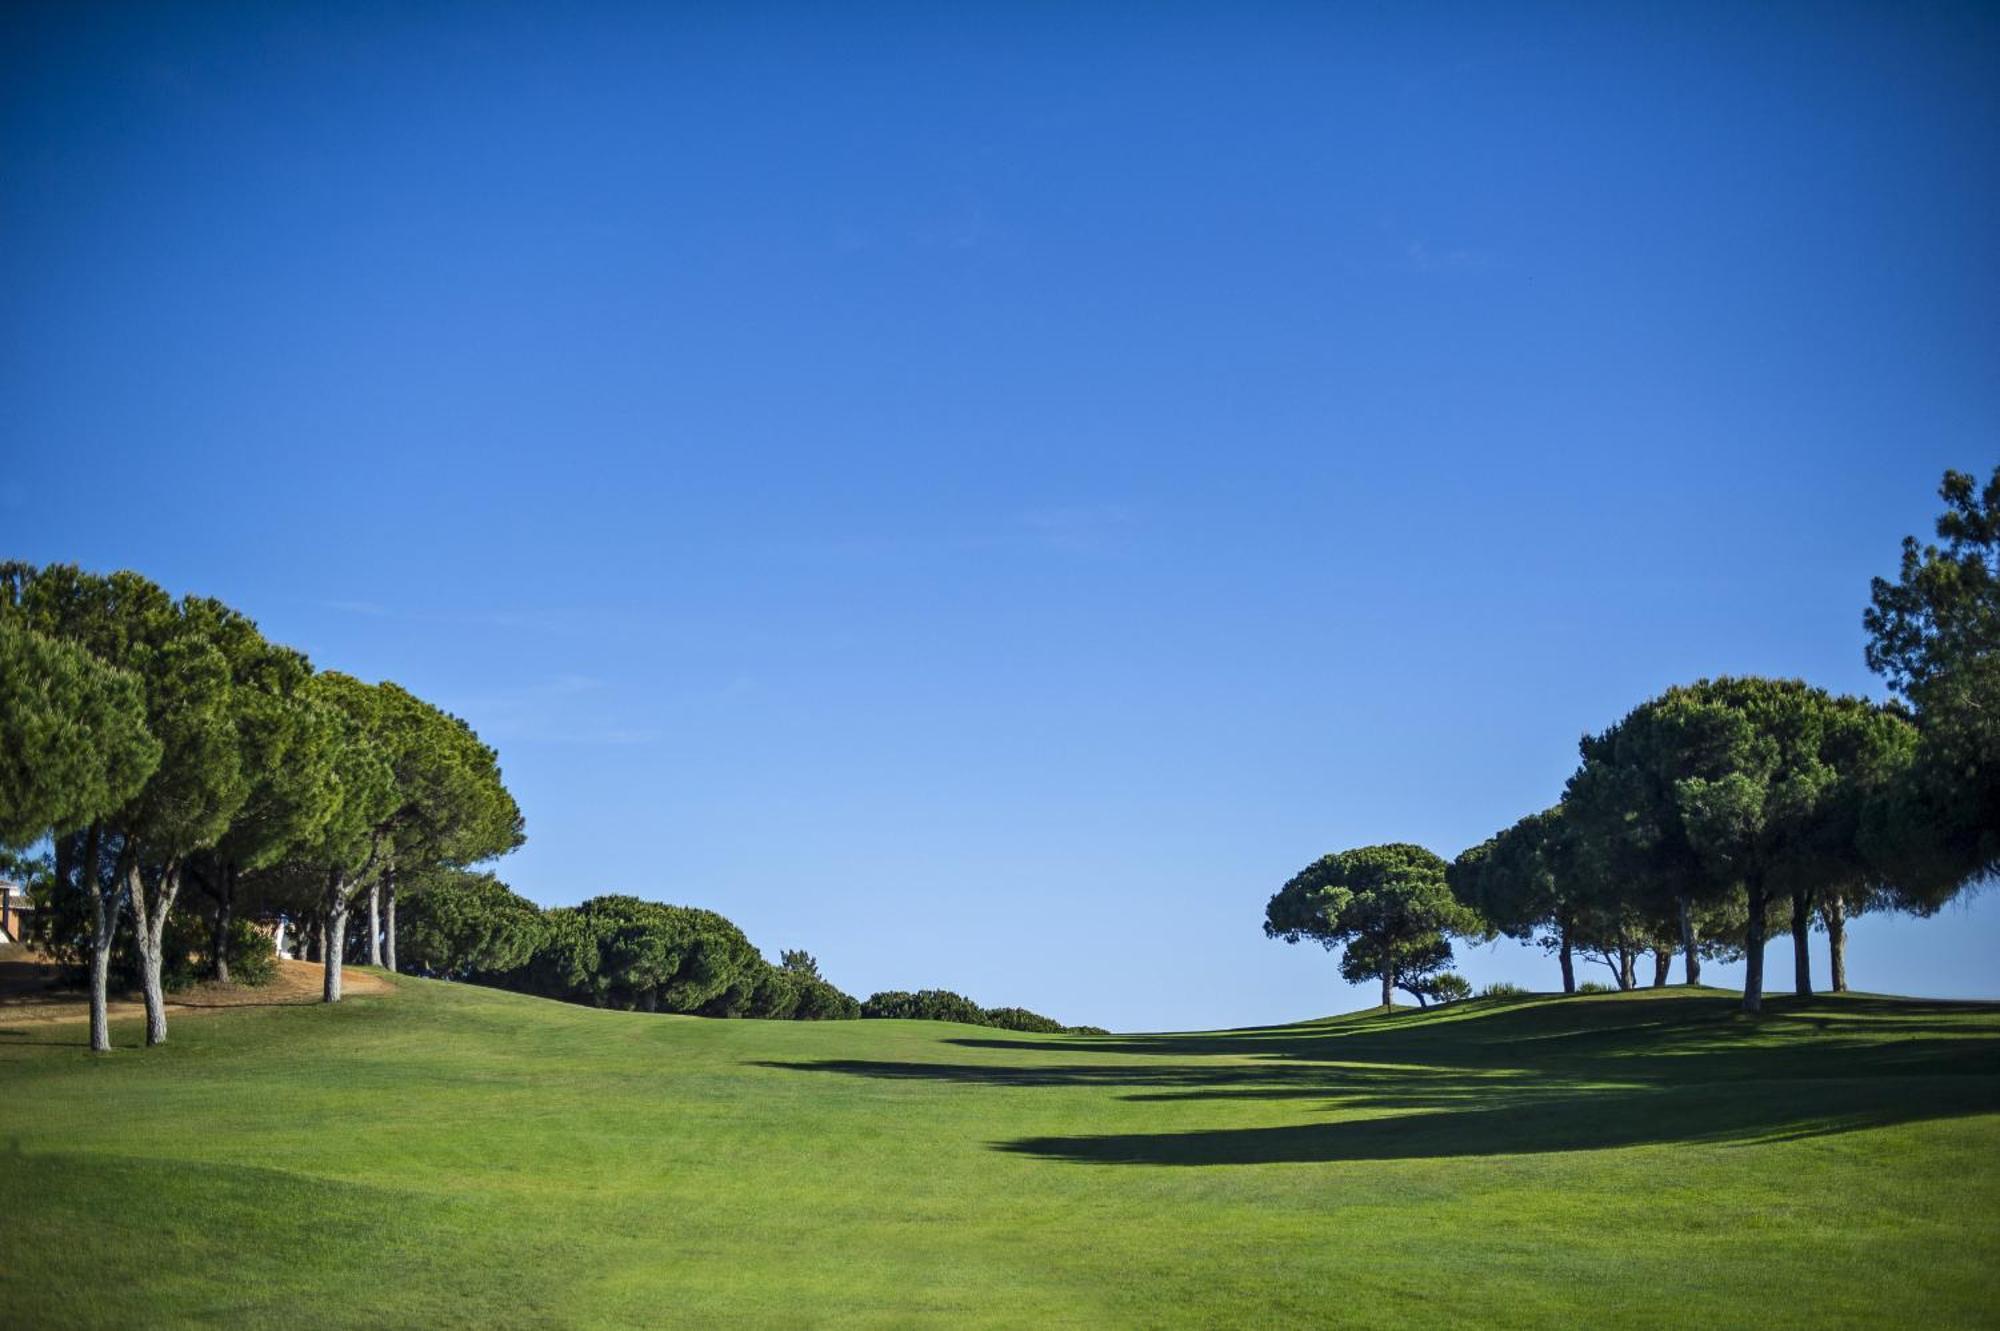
x=820, y=1001
x=1085, y=1030
x=1503, y=989
x=253, y=958
x=457, y=925
x=1020, y=1019
x=924, y=1005
x=1450, y=987
x=620, y=952
x=1593, y=987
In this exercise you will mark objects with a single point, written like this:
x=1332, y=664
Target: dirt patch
x=28, y=995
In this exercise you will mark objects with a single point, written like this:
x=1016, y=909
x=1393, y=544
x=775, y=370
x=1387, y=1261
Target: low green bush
x=253, y=958
x=1020, y=1019
x=1450, y=987
x=1503, y=989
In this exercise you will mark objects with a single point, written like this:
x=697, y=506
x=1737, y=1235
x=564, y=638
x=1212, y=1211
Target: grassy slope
x=460, y=1155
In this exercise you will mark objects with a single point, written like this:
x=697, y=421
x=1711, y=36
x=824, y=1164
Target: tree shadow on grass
x=1605, y=1120
x=1513, y=1078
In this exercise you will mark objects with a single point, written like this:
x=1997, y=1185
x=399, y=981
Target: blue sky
x=985, y=493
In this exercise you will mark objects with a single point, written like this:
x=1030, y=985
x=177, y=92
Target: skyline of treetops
x=157, y=745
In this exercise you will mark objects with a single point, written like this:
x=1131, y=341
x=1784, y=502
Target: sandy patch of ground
x=27, y=998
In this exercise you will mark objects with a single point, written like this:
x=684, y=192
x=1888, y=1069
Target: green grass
x=450, y=1155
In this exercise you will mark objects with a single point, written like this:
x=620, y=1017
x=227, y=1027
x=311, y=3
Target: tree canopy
x=1934, y=635
x=1388, y=905
x=73, y=739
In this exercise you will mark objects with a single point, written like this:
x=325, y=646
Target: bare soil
x=31, y=992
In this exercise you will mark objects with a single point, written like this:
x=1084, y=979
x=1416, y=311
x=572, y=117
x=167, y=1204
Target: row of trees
x=621, y=952
x=1722, y=812
x=158, y=743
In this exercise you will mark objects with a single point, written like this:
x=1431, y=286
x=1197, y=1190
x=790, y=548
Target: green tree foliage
x=1389, y=906
x=460, y=925
x=621, y=952
x=1516, y=882
x=1450, y=987
x=449, y=807
x=944, y=1005
x=1739, y=786
x=1934, y=635
x=285, y=749
x=73, y=739
x=1020, y=1019
x=345, y=846
x=135, y=855
x=923, y=1005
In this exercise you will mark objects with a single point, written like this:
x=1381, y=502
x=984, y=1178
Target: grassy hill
x=443, y=1154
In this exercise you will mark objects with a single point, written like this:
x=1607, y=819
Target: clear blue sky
x=986, y=493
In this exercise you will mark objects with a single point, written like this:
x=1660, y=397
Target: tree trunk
x=1690, y=944
x=103, y=928
x=1627, y=979
x=1801, y=936
x=149, y=921
x=1663, y=961
x=225, y=915
x=1568, y=963
x=335, y=931
x=278, y=942
x=1834, y=911
x=375, y=921
x=313, y=931
x=389, y=918
x=1388, y=985
x=1753, y=948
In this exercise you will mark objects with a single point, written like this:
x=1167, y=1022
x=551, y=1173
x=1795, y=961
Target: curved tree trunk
x=1627, y=979
x=389, y=918
x=1568, y=957
x=1663, y=961
x=375, y=921
x=1690, y=944
x=1801, y=937
x=334, y=941
x=1834, y=911
x=1753, y=947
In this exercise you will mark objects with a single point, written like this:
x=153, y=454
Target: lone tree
x=1934, y=636
x=1388, y=906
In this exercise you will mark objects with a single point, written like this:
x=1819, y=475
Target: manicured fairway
x=450, y=1155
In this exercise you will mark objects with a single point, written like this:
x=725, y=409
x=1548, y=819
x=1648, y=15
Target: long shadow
x=1598, y=1121
x=1513, y=1078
